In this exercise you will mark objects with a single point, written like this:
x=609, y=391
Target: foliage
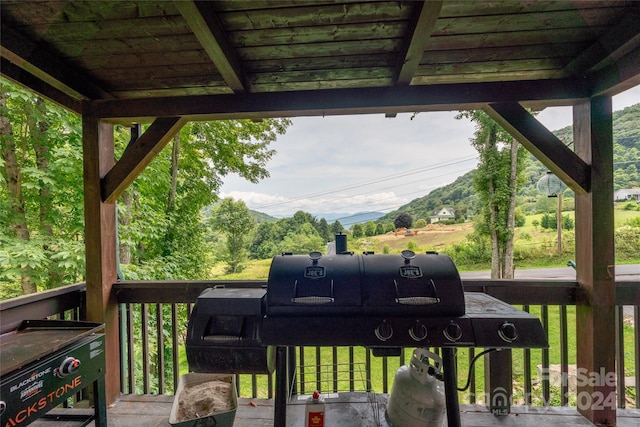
x=498, y=175
x=370, y=229
x=357, y=230
x=421, y=223
x=234, y=221
x=550, y=222
x=303, y=240
x=41, y=213
x=280, y=236
x=403, y=220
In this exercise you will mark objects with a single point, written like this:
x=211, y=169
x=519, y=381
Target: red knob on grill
x=68, y=366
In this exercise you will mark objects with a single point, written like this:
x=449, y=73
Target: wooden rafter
x=625, y=36
x=424, y=19
x=48, y=66
x=19, y=75
x=138, y=155
x=560, y=160
x=619, y=76
x=203, y=21
x=344, y=101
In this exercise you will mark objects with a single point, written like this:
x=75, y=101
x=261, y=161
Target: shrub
x=403, y=220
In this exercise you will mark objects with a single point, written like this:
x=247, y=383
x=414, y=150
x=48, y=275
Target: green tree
x=265, y=240
x=234, y=221
x=336, y=228
x=421, y=223
x=370, y=229
x=41, y=205
x=357, y=230
x=306, y=239
x=403, y=220
x=496, y=182
x=165, y=229
x=323, y=230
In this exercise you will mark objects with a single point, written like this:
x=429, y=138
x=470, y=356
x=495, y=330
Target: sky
x=352, y=164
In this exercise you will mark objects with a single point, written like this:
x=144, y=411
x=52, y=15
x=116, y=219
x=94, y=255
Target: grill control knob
x=68, y=366
x=508, y=332
x=384, y=331
x=418, y=332
x=452, y=332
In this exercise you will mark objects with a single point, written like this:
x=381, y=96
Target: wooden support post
x=498, y=381
x=595, y=264
x=100, y=242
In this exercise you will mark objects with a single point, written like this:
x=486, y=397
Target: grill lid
x=348, y=284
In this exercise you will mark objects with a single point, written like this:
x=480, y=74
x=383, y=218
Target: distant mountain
x=458, y=195
x=261, y=217
x=349, y=219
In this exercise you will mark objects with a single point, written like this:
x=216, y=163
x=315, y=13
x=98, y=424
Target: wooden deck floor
x=354, y=410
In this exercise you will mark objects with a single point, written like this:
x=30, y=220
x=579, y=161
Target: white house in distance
x=442, y=214
x=627, y=194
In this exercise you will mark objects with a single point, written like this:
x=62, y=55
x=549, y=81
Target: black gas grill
x=384, y=302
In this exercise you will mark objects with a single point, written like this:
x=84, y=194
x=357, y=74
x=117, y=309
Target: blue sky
x=350, y=164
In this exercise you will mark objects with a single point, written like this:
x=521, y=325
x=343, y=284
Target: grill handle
x=418, y=299
x=312, y=299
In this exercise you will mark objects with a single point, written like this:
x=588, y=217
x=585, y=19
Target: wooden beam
x=595, y=264
x=100, y=243
x=622, y=75
x=543, y=144
x=47, y=65
x=28, y=80
x=623, y=37
x=204, y=23
x=344, y=101
x=425, y=15
x=138, y=156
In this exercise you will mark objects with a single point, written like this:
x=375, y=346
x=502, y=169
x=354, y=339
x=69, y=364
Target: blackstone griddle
x=383, y=302
x=44, y=362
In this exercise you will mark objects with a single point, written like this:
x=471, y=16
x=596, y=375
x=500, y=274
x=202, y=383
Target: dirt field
x=431, y=237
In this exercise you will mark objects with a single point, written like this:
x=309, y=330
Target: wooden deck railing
x=154, y=320
x=538, y=374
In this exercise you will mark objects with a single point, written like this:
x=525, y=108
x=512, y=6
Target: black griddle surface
x=35, y=339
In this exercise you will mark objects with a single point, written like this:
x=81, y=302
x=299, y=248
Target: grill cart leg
x=280, y=409
x=99, y=402
x=451, y=387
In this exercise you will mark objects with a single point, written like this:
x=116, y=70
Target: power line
x=370, y=182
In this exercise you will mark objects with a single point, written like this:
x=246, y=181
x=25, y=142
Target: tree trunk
x=38, y=131
x=511, y=214
x=490, y=143
x=12, y=175
x=175, y=155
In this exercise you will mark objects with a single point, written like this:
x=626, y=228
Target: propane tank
x=314, y=411
x=417, y=397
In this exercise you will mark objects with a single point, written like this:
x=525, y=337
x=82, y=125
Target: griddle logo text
x=28, y=412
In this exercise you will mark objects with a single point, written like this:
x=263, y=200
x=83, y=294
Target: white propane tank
x=417, y=397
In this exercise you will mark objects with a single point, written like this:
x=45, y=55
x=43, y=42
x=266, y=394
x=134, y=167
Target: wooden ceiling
x=264, y=58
